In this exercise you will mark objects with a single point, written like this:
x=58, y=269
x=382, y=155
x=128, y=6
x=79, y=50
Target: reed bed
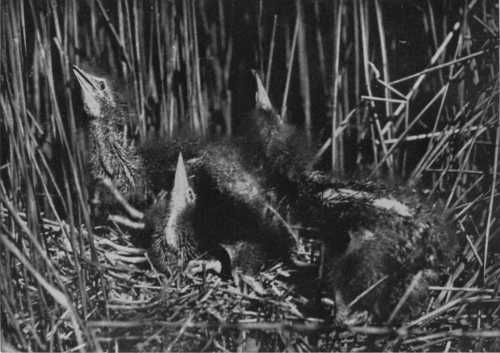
x=395, y=89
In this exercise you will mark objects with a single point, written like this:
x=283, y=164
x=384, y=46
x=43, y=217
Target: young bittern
x=203, y=219
x=392, y=240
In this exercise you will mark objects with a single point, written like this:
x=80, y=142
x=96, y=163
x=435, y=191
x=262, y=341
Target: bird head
x=265, y=118
x=262, y=100
x=281, y=143
x=97, y=93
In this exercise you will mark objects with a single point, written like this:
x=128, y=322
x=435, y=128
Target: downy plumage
x=225, y=204
x=370, y=232
x=203, y=218
x=109, y=153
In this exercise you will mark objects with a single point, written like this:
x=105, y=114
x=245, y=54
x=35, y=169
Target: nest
x=131, y=307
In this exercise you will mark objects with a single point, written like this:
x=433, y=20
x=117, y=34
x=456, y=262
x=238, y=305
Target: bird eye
x=102, y=85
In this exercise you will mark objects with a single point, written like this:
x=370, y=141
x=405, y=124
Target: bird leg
x=126, y=222
x=127, y=207
x=133, y=221
x=292, y=233
x=297, y=245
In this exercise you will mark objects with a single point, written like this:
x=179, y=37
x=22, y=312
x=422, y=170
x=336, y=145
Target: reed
x=402, y=91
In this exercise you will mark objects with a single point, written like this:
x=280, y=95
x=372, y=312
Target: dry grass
x=422, y=100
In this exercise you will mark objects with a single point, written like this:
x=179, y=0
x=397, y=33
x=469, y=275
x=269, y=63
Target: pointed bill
x=181, y=183
x=84, y=78
x=262, y=100
x=178, y=203
x=92, y=96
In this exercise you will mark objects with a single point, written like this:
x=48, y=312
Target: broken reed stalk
x=433, y=60
x=400, y=139
x=440, y=66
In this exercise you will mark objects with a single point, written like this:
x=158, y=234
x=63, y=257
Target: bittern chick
x=138, y=173
x=370, y=232
x=201, y=219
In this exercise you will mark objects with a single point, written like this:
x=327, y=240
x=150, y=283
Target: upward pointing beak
x=262, y=100
x=83, y=78
x=181, y=183
x=261, y=97
x=178, y=204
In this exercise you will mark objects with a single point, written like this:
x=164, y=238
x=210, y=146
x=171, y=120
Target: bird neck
x=112, y=156
x=171, y=230
x=179, y=233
